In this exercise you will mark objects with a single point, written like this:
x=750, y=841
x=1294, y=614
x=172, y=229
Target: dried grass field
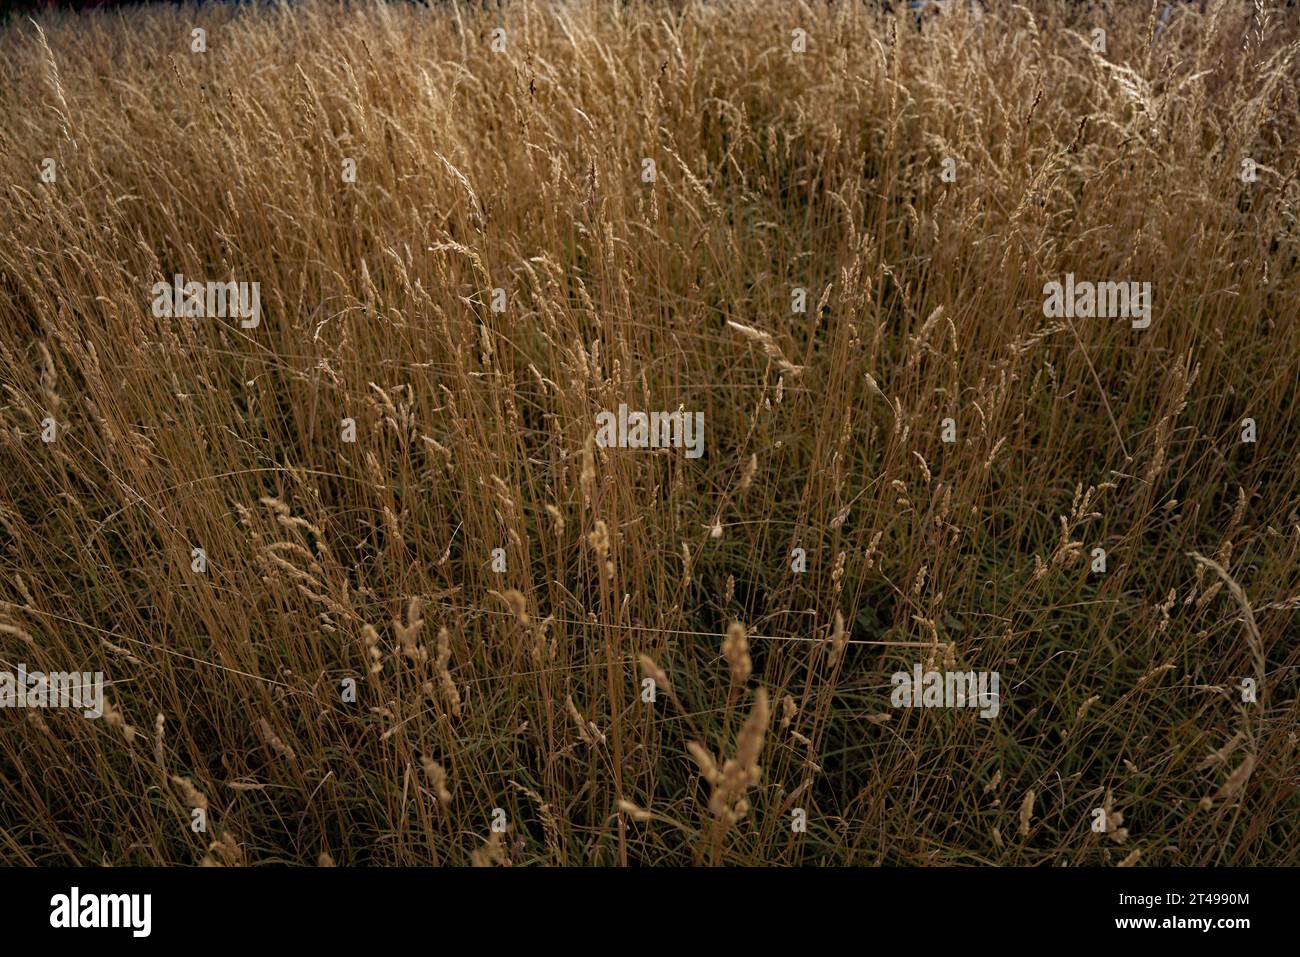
x=366, y=583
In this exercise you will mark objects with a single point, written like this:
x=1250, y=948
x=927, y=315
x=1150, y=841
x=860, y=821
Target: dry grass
x=521, y=690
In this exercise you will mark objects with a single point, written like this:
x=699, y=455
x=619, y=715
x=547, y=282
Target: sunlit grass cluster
x=522, y=690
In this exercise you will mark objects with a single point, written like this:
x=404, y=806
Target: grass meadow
x=364, y=587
